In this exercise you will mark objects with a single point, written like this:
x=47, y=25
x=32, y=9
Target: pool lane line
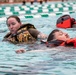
x=33, y=12
x=39, y=15
x=53, y=8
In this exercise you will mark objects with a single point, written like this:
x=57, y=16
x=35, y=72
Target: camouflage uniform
x=22, y=35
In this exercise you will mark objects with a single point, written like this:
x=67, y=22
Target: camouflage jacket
x=22, y=35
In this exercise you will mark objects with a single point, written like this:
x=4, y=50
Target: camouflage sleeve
x=34, y=32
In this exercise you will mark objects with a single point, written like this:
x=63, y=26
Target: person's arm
x=37, y=34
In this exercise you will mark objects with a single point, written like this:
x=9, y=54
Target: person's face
x=13, y=25
x=61, y=36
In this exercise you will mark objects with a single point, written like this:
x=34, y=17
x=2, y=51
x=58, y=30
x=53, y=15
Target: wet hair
x=51, y=35
x=13, y=16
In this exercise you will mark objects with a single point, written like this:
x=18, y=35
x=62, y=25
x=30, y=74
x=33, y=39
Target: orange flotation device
x=71, y=42
x=65, y=21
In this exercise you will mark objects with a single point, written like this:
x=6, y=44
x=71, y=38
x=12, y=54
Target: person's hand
x=42, y=36
x=20, y=51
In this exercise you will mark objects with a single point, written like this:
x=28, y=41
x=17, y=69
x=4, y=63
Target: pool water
x=38, y=60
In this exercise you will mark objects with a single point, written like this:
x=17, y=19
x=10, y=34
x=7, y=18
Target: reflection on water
x=53, y=61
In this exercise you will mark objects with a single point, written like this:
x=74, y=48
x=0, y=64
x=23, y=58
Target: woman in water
x=21, y=33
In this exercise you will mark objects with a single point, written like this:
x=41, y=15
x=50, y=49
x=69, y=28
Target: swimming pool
x=40, y=60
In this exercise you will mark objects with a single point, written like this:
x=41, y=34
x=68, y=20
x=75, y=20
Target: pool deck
x=31, y=0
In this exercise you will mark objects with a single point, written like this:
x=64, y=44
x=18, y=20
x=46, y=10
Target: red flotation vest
x=65, y=21
x=71, y=42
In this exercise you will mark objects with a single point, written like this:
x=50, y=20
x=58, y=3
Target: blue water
x=38, y=60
